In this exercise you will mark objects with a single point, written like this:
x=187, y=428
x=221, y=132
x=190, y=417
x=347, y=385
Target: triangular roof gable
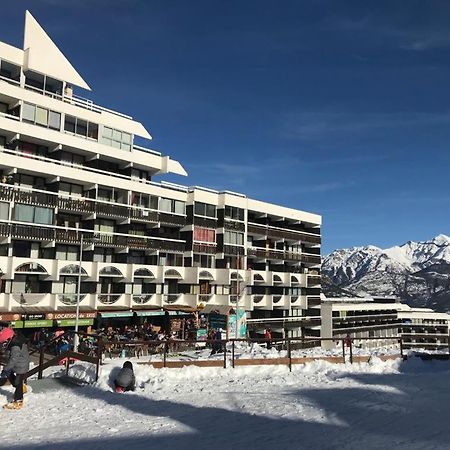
x=43, y=56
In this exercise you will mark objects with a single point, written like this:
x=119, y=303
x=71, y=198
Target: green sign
x=72, y=322
x=38, y=323
x=17, y=324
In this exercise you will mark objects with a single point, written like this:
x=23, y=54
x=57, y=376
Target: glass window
x=69, y=124
x=107, y=132
x=28, y=112
x=117, y=135
x=41, y=116
x=202, y=234
x=4, y=210
x=43, y=215
x=54, y=120
x=126, y=138
x=23, y=213
x=81, y=127
x=165, y=204
x=93, y=130
x=203, y=209
x=179, y=207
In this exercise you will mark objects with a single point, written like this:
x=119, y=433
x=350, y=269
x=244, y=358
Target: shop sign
x=72, y=322
x=37, y=323
x=217, y=321
x=33, y=316
x=18, y=324
x=9, y=317
x=65, y=316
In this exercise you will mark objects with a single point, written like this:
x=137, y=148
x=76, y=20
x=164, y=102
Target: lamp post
x=77, y=314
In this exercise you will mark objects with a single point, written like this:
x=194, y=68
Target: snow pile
x=316, y=406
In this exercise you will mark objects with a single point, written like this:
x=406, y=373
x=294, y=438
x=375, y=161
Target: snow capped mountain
x=417, y=272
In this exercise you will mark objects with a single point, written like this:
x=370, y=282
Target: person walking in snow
x=17, y=365
x=125, y=379
x=268, y=338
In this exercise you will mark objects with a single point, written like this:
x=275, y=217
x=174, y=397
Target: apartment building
x=423, y=328
x=75, y=186
x=374, y=318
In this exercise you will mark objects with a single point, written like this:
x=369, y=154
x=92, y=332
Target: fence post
x=67, y=364
x=343, y=350
x=225, y=355
x=351, y=352
x=401, y=347
x=289, y=354
x=166, y=346
x=232, y=353
x=41, y=361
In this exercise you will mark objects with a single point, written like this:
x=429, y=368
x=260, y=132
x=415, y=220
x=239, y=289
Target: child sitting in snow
x=125, y=379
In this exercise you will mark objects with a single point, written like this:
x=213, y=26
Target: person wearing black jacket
x=125, y=379
x=17, y=365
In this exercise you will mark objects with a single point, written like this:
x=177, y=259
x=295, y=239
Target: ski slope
x=380, y=405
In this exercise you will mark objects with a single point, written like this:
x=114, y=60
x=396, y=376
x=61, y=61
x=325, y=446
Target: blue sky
x=336, y=107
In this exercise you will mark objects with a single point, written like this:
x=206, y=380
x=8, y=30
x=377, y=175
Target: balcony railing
x=265, y=253
x=314, y=279
x=272, y=232
x=73, y=236
x=86, y=205
x=204, y=248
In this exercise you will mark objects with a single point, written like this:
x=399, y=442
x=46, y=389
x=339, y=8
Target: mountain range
x=416, y=272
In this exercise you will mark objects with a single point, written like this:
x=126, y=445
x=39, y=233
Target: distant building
x=381, y=318
x=360, y=318
x=424, y=328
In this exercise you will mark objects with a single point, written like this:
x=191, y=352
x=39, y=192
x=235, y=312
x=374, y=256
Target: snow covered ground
x=392, y=404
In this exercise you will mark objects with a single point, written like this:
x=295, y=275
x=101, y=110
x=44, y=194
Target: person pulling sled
x=17, y=365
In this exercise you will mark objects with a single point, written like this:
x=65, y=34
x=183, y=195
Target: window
x=231, y=237
x=41, y=116
x=231, y=212
x=2, y=141
x=72, y=158
x=170, y=259
x=144, y=200
x=34, y=214
x=8, y=70
x=80, y=127
x=202, y=234
x=172, y=206
x=67, y=252
x=70, y=189
x=203, y=209
x=104, y=225
x=116, y=138
x=103, y=255
x=31, y=149
x=204, y=261
x=54, y=120
x=4, y=211
x=4, y=108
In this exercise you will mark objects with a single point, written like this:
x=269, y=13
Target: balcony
x=314, y=280
x=210, y=249
x=270, y=253
x=86, y=205
x=272, y=232
x=73, y=236
x=234, y=226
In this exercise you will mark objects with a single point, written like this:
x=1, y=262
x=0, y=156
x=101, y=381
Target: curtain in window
x=24, y=213
x=28, y=112
x=43, y=215
x=54, y=120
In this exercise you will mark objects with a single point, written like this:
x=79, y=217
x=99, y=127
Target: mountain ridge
x=417, y=272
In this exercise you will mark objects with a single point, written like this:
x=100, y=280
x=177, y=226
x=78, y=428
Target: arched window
x=72, y=269
x=31, y=267
x=143, y=273
x=205, y=275
x=110, y=271
x=172, y=273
